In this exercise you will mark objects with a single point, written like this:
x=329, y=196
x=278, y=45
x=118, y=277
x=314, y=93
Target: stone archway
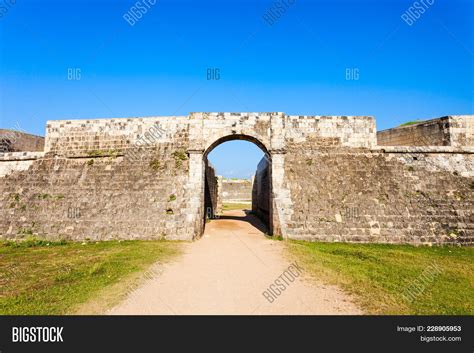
x=210, y=184
x=208, y=130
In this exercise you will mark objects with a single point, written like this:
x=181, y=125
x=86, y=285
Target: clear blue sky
x=297, y=65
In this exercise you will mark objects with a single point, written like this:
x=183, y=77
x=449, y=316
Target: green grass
x=236, y=206
x=39, y=277
x=378, y=275
x=411, y=123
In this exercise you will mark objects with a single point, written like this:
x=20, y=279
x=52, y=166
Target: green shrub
x=155, y=164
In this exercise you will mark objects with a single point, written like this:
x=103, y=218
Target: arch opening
x=236, y=137
x=240, y=194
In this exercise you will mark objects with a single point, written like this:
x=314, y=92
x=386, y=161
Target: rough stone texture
x=236, y=190
x=219, y=208
x=117, y=178
x=71, y=138
x=261, y=190
x=369, y=196
x=211, y=192
x=17, y=141
x=96, y=198
x=446, y=131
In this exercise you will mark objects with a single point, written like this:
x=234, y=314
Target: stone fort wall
x=144, y=178
x=379, y=196
x=446, y=131
x=236, y=190
x=14, y=141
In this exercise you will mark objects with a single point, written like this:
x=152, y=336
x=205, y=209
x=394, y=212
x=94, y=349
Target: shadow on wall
x=261, y=191
x=211, y=192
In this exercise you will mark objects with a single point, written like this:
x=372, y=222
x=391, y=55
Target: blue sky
x=297, y=65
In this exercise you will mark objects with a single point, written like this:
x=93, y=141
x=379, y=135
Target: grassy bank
x=395, y=279
x=40, y=277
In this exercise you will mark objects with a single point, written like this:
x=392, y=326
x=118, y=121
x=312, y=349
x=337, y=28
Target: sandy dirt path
x=226, y=272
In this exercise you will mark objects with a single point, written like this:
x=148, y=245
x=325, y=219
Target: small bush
x=179, y=157
x=155, y=164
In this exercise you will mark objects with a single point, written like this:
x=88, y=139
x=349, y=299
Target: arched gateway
x=262, y=203
x=333, y=178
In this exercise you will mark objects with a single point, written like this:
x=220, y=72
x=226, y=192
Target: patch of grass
x=41, y=279
x=379, y=275
x=90, y=162
x=179, y=157
x=274, y=237
x=32, y=241
x=236, y=206
x=411, y=122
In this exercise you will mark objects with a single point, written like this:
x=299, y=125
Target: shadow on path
x=249, y=218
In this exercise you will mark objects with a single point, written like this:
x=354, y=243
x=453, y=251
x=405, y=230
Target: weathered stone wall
x=16, y=141
x=145, y=178
x=219, y=208
x=97, y=198
x=85, y=186
x=78, y=138
x=348, y=131
x=461, y=130
x=17, y=161
x=261, y=190
x=211, y=192
x=236, y=190
x=376, y=196
x=456, y=131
